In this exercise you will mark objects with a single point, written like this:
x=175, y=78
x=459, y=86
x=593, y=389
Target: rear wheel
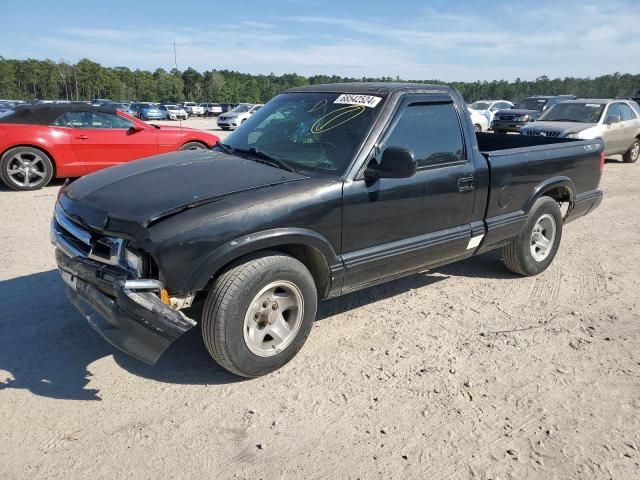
x=25, y=168
x=259, y=313
x=631, y=155
x=193, y=146
x=533, y=250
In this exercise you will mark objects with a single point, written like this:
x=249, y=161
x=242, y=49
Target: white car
x=480, y=122
x=173, y=112
x=236, y=117
x=193, y=108
x=488, y=108
x=211, y=109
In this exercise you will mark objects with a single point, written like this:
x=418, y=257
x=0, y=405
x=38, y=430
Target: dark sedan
x=525, y=111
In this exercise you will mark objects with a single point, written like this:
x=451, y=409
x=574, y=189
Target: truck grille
x=77, y=241
x=506, y=117
x=542, y=133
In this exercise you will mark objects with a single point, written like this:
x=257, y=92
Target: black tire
x=477, y=128
x=518, y=256
x=18, y=157
x=194, y=146
x=229, y=301
x=631, y=155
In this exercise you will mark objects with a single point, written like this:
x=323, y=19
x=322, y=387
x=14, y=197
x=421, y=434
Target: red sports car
x=40, y=142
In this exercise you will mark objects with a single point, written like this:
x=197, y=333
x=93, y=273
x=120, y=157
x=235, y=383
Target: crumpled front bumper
x=129, y=314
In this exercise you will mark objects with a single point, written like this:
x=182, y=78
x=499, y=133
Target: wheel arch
x=201, y=142
x=310, y=248
x=44, y=150
x=561, y=189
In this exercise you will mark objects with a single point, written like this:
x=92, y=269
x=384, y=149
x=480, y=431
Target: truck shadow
x=46, y=346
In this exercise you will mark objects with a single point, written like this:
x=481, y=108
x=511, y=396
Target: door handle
x=82, y=137
x=466, y=184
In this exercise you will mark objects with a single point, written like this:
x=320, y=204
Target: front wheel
x=25, y=168
x=259, y=314
x=477, y=128
x=531, y=252
x=631, y=155
x=193, y=146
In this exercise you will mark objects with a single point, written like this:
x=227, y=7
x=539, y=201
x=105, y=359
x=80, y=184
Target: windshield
x=241, y=108
x=532, y=104
x=573, y=112
x=172, y=107
x=479, y=105
x=310, y=131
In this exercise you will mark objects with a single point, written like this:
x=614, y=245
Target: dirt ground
x=464, y=372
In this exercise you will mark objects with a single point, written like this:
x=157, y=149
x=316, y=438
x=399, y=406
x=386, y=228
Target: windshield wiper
x=225, y=147
x=262, y=157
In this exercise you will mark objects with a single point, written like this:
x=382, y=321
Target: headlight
x=133, y=261
x=573, y=135
x=523, y=118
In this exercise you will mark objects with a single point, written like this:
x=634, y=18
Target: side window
x=627, y=112
x=109, y=120
x=431, y=131
x=62, y=121
x=614, y=110
x=96, y=120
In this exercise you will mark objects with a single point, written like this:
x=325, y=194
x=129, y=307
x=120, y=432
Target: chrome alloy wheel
x=635, y=151
x=543, y=237
x=27, y=169
x=273, y=318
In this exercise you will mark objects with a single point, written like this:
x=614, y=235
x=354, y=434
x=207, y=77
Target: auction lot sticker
x=365, y=100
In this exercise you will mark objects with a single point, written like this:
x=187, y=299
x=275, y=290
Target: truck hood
x=145, y=191
x=564, y=128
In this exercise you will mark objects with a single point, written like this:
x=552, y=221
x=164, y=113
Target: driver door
x=101, y=140
x=394, y=226
x=613, y=134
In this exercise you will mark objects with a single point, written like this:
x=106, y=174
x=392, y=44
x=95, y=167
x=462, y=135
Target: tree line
x=46, y=79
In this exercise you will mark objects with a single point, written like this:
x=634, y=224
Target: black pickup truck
x=325, y=190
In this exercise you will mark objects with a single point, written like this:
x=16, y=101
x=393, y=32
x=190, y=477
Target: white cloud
x=506, y=42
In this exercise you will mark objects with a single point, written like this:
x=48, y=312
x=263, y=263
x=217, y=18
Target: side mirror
x=611, y=119
x=396, y=162
x=136, y=128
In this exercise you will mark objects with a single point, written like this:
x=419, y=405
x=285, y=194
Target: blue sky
x=446, y=40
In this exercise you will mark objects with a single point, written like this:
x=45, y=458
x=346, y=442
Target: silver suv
x=617, y=122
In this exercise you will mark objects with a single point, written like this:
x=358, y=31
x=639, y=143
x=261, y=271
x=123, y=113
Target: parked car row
x=615, y=121
x=526, y=110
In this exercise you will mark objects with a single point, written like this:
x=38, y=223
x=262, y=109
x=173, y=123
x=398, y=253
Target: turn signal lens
x=602, y=158
x=164, y=296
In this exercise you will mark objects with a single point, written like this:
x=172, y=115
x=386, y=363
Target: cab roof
x=381, y=88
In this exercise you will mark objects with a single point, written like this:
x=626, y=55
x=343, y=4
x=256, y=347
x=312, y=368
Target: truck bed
x=489, y=142
x=521, y=166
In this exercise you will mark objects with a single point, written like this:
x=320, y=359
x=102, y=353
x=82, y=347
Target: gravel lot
x=462, y=372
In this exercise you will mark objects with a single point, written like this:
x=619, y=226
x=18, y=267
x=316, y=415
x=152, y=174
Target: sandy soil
x=462, y=372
